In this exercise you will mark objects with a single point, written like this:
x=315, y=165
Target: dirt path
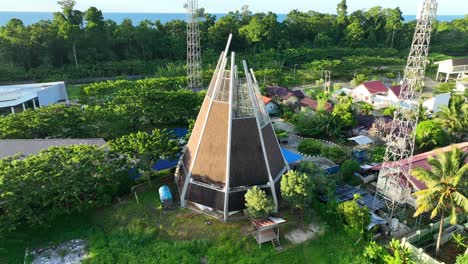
x=300, y=235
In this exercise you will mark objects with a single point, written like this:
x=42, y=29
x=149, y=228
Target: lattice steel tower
x=393, y=178
x=194, y=64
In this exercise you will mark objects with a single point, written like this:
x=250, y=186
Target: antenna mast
x=392, y=183
x=194, y=64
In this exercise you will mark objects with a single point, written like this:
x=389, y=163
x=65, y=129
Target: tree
x=146, y=148
x=430, y=134
x=342, y=12
x=374, y=253
x=69, y=23
x=354, y=33
x=446, y=188
x=297, y=189
x=455, y=117
x=319, y=125
x=394, y=22
x=355, y=217
x=389, y=111
x=348, y=168
x=377, y=154
x=401, y=254
x=344, y=110
x=365, y=108
x=310, y=147
x=258, y=204
x=358, y=79
x=60, y=180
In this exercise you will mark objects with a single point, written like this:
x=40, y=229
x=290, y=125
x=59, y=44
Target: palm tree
x=455, y=117
x=446, y=187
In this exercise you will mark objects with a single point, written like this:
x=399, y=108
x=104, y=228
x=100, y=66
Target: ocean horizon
x=29, y=18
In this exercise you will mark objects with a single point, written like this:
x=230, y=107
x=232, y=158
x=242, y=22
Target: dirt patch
x=71, y=252
x=301, y=235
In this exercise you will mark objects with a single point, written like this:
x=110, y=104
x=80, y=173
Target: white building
x=452, y=67
x=367, y=91
x=17, y=98
x=435, y=103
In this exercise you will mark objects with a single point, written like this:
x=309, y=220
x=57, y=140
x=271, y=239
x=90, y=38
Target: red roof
x=421, y=161
x=267, y=222
x=375, y=87
x=266, y=100
x=313, y=104
x=307, y=102
x=396, y=90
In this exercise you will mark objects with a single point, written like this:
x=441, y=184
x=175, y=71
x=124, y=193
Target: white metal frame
x=400, y=144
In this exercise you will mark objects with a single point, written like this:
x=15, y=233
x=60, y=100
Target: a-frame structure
x=232, y=148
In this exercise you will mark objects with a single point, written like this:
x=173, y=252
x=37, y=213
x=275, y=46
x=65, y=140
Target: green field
x=127, y=232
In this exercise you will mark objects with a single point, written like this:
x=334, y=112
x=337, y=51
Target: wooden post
x=136, y=197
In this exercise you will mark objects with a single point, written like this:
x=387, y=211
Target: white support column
x=24, y=107
x=12, y=109
x=269, y=120
x=228, y=156
x=257, y=118
x=34, y=103
x=183, y=201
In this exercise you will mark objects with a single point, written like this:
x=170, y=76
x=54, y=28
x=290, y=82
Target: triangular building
x=232, y=148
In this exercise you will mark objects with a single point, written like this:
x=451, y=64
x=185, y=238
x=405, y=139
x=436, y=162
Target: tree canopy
x=74, y=42
x=258, y=203
x=447, y=187
x=61, y=180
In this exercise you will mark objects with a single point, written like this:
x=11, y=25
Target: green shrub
x=297, y=189
x=348, y=168
x=355, y=217
x=336, y=154
x=377, y=154
x=444, y=87
x=57, y=181
x=310, y=147
x=258, y=203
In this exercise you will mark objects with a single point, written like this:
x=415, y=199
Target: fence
x=428, y=234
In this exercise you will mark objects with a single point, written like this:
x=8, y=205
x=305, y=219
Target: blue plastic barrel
x=165, y=193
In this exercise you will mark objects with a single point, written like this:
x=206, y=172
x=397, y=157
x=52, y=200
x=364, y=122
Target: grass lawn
x=127, y=232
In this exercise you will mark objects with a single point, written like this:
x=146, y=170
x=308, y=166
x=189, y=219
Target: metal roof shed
x=361, y=140
x=267, y=229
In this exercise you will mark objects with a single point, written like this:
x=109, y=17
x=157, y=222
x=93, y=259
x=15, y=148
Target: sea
x=29, y=18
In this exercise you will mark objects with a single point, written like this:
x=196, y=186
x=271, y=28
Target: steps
x=276, y=244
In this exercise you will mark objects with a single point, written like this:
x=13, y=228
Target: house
x=462, y=84
x=401, y=191
x=435, y=104
x=366, y=91
x=18, y=98
x=285, y=95
x=376, y=127
x=270, y=105
x=26, y=147
x=394, y=93
x=452, y=67
x=308, y=104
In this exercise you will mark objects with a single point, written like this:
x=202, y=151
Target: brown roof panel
x=247, y=161
x=210, y=166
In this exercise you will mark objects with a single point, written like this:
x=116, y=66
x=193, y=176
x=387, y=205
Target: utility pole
x=194, y=62
x=295, y=65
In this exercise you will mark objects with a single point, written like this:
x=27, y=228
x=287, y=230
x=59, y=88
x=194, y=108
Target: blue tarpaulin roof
x=291, y=157
x=179, y=132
